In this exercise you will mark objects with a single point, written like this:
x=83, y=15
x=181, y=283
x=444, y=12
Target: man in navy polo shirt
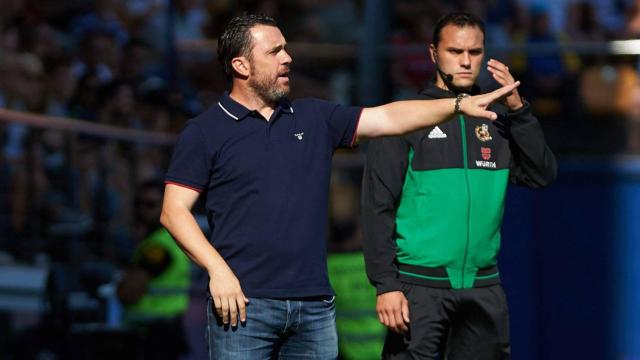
x=264, y=164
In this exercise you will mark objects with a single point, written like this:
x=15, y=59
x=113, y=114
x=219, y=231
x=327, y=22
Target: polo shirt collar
x=234, y=109
x=285, y=106
x=237, y=111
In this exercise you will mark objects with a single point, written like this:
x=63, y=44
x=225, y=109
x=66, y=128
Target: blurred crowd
x=122, y=63
x=119, y=63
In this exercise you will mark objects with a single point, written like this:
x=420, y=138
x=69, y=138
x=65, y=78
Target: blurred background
x=93, y=93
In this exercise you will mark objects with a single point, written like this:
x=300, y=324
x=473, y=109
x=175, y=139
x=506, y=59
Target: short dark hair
x=236, y=38
x=459, y=19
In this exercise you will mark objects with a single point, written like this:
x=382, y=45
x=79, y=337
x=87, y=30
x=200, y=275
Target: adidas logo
x=436, y=133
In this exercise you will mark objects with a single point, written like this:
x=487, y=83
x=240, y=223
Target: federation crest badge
x=482, y=133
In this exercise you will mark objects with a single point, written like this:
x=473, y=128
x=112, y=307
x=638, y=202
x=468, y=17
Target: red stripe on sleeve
x=355, y=131
x=184, y=186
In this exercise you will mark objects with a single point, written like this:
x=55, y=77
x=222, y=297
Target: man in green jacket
x=433, y=203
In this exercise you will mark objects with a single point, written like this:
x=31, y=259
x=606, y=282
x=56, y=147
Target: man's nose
x=466, y=59
x=287, y=59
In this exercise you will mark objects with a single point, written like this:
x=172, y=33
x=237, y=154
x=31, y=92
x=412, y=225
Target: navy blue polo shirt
x=267, y=188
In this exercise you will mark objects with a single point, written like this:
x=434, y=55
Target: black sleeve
x=533, y=164
x=387, y=161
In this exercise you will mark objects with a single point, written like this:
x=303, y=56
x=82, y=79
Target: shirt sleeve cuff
x=354, y=137
x=181, y=184
x=388, y=285
x=525, y=108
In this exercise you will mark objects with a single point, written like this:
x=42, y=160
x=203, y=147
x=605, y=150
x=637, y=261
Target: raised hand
x=502, y=75
x=476, y=106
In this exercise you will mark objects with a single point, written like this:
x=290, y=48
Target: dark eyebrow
x=455, y=49
x=277, y=48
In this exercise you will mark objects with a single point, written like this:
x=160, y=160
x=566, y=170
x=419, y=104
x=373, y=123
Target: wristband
x=458, y=100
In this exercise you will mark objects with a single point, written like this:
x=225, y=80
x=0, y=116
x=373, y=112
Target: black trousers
x=448, y=324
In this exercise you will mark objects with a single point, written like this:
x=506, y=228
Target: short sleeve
x=190, y=162
x=342, y=123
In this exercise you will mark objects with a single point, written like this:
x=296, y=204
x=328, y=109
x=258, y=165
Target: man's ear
x=241, y=66
x=433, y=53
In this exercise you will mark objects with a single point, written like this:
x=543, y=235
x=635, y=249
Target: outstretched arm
x=402, y=117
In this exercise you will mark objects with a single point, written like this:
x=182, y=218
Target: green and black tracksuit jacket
x=433, y=200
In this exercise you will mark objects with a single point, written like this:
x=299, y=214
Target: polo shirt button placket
x=270, y=124
x=268, y=132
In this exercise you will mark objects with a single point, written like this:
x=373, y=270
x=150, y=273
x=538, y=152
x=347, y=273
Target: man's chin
x=466, y=84
x=283, y=91
x=277, y=95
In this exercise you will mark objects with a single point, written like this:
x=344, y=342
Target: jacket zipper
x=465, y=162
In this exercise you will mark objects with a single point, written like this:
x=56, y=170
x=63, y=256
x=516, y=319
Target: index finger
x=405, y=311
x=496, y=94
x=497, y=64
x=400, y=321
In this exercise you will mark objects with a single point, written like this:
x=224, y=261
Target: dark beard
x=268, y=91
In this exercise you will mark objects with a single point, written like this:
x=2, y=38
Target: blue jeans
x=276, y=329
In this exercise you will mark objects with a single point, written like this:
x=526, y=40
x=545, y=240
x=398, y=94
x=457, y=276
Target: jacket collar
x=431, y=90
